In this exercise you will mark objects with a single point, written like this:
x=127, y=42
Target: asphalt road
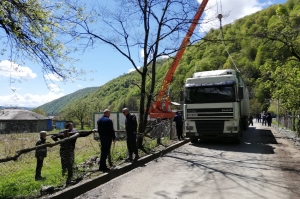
x=264, y=165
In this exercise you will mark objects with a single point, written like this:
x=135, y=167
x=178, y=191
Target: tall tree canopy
x=29, y=29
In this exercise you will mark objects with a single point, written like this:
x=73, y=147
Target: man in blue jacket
x=107, y=136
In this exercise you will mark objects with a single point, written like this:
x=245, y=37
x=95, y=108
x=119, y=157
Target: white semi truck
x=216, y=105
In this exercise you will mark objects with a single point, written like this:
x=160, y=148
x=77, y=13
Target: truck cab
x=216, y=105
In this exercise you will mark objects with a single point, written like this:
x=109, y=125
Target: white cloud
x=54, y=88
x=53, y=77
x=231, y=10
x=11, y=69
x=28, y=100
x=79, y=86
x=164, y=57
x=133, y=69
x=142, y=53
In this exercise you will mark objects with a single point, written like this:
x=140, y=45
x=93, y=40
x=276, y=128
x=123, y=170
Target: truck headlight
x=189, y=128
x=231, y=128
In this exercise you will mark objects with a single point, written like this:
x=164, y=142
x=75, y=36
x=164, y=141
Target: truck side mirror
x=241, y=93
x=181, y=96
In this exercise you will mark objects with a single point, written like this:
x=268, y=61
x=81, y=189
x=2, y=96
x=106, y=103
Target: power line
x=220, y=16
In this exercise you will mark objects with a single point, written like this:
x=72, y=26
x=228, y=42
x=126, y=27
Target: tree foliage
x=36, y=30
x=79, y=110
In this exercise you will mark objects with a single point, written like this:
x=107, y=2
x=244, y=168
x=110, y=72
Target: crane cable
x=220, y=16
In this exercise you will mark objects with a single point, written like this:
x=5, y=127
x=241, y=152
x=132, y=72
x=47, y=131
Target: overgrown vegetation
x=17, y=177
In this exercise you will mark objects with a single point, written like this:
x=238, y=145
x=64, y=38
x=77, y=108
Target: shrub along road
x=263, y=166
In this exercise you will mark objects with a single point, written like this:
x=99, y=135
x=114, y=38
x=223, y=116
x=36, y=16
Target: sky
x=26, y=87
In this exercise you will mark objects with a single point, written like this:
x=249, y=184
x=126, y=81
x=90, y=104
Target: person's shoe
x=129, y=159
x=136, y=158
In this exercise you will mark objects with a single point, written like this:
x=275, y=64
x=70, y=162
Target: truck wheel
x=194, y=140
x=237, y=140
x=245, y=124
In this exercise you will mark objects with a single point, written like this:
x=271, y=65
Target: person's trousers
x=131, y=143
x=63, y=158
x=179, y=132
x=39, y=165
x=105, y=150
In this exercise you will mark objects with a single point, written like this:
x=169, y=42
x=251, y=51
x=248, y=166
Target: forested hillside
x=265, y=47
x=53, y=107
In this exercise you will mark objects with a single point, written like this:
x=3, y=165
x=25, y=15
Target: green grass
x=17, y=177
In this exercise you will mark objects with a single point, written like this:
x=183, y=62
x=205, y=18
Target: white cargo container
x=216, y=105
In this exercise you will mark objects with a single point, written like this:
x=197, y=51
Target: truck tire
x=237, y=140
x=194, y=140
x=245, y=123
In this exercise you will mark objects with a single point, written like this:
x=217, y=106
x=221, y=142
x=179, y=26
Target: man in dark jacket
x=62, y=135
x=131, y=129
x=250, y=120
x=40, y=154
x=269, y=118
x=107, y=136
x=179, y=125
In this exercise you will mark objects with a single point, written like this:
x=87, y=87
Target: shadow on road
x=253, y=141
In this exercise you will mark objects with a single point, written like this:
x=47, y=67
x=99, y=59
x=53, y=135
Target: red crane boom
x=162, y=109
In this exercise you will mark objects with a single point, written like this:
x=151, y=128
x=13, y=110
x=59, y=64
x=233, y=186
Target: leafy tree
x=79, y=110
x=35, y=29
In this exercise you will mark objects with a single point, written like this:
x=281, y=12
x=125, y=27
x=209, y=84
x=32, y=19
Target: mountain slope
x=53, y=107
x=247, y=42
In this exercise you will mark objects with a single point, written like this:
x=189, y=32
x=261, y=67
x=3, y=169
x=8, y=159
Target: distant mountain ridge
x=53, y=107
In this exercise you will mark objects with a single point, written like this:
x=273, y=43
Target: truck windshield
x=210, y=94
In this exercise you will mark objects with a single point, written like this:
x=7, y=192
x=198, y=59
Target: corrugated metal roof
x=20, y=114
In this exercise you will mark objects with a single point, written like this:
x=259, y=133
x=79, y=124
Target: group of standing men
x=265, y=118
x=107, y=136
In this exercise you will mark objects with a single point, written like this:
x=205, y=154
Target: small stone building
x=22, y=121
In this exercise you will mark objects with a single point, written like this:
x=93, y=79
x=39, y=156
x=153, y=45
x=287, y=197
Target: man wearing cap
x=107, y=136
x=131, y=129
x=40, y=154
x=69, y=131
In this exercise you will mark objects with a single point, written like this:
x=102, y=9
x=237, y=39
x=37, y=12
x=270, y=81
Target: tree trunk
x=142, y=123
x=294, y=121
x=82, y=125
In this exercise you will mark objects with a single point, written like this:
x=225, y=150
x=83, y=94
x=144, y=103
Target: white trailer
x=216, y=105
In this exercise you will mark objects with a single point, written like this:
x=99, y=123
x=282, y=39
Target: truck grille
x=206, y=126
